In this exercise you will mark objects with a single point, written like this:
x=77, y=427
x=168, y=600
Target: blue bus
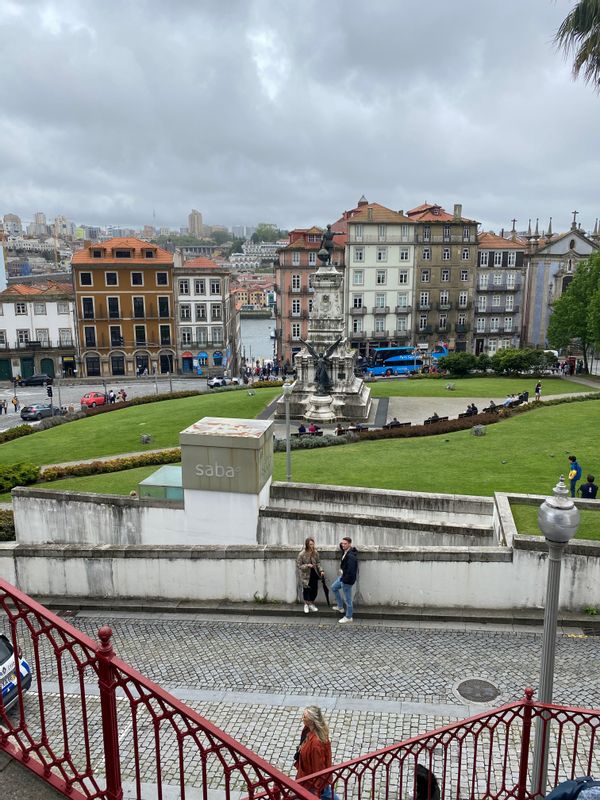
x=388, y=361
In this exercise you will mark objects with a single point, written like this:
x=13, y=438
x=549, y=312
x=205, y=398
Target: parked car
x=214, y=383
x=8, y=673
x=39, y=411
x=38, y=379
x=93, y=399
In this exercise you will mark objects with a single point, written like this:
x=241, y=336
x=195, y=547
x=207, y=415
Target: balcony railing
x=401, y=335
x=380, y=335
x=442, y=328
x=462, y=328
x=358, y=335
x=424, y=306
x=498, y=310
x=38, y=344
x=444, y=306
x=380, y=310
x=374, y=239
x=358, y=311
x=403, y=309
x=426, y=329
x=502, y=287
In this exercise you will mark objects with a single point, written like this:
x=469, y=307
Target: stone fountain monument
x=326, y=389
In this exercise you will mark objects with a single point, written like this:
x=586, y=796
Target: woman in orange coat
x=314, y=752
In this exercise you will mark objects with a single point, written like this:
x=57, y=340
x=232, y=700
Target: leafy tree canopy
x=579, y=36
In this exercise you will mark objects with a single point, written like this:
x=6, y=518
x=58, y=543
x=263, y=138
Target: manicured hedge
x=16, y=433
x=7, y=525
x=313, y=442
x=171, y=456
x=446, y=426
x=22, y=474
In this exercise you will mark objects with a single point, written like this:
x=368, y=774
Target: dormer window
x=122, y=253
x=96, y=253
x=148, y=253
x=435, y=210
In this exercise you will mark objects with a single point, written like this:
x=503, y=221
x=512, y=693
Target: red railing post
x=525, y=742
x=108, y=705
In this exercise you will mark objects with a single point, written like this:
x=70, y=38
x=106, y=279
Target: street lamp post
x=287, y=391
x=558, y=520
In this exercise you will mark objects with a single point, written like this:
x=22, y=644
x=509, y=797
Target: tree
x=458, y=363
x=266, y=232
x=574, y=314
x=236, y=247
x=579, y=34
x=510, y=361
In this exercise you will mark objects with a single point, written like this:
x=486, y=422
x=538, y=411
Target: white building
x=380, y=261
x=12, y=225
x=37, y=330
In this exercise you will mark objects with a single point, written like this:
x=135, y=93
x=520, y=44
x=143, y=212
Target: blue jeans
x=347, y=589
x=573, y=485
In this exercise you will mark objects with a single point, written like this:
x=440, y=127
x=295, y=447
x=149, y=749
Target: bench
x=433, y=421
x=389, y=425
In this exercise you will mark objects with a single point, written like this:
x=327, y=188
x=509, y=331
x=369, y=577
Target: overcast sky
x=288, y=111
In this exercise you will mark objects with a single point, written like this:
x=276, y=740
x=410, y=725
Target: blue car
x=8, y=676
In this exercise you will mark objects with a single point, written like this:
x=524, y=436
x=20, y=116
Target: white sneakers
x=345, y=619
x=309, y=607
x=341, y=610
x=306, y=608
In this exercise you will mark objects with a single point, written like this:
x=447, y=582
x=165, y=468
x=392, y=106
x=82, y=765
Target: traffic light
x=121, y=341
x=49, y=391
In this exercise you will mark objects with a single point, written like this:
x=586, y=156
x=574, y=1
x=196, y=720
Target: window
x=295, y=283
x=186, y=335
x=508, y=323
x=492, y=346
x=42, y=335
x=139, y=311
x=295, y=330
x=111, y=279
x=359, y=253
x=40, y=309
x=404, y=232
x=89, y=335
x=426, y=233
x=463, y=299
x=424, y=299
x=402, y=300
x=465, y=254
x=163, y=307
x=498, y=258
x=185, y=311
x=113, y=308
x=379, y=324
x=483, y=281
x=356, y=324
x=446, y=233
x=115, y=335
x=87, y=306
x=506, y=343
x=445, y=275
x=117, y=364
x=184, y=286
x=510, y=280
x=461, y=320
x=122, y=253
x=137, y=278
x=199, y=286
x=401, y=324
x=295, y=258
x=312, y=259
x=358, y=232
x=162, y=278
x=497, y=279
x=494, y=324
x=510, y=302
x=484, y=258
x=65, y=337
x=85, y=279
x=403, y=276
x=216, y=312
x=295, y=308
x=381, y=232
x=63, y=307
x=202, y=335
x=481, y=303
x=310, y=305
x=512, y=259
x=443, y=321
x=23, y=336
x=358, y=277
x=466, y=233
x=96, y=253
x=92, y=366
x=357, y=301
x=425, y=275
x=20, y=308
x=444, y=298
x=446, y=254
x=422, y=322
x=404, y=254
x=464, y=274
x=380, y=301
x=426, y=254
x=200, y=312
x=140, y=334
x=215, y=286
x=217, y=335
x=480, y=325
x=165, y=334
x=148, y=253
x=381, y=277
x=496, y=301
x=382, y=253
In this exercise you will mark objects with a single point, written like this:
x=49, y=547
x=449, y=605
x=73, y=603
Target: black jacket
x=349, y=565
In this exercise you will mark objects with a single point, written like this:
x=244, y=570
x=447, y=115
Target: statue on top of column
x=327, y=245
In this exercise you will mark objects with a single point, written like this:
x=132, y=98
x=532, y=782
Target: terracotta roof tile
x=491, y=241
x=84, y=256
x=203, y=263
x=374, y=212
x=432, y=212
x=43, y=289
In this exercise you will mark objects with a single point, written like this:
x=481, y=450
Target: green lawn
x=524, y=454
x=489, y=388
x=119, y=431
x=107, y=483
x=526, y=521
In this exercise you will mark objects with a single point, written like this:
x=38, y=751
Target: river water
x=256, y=340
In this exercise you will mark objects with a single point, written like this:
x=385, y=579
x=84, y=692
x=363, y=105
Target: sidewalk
x=18, y=783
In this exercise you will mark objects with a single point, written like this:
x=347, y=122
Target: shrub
x=171, y=456
x=458, y=363
x=16, y=433
x=7, y=525
x=12, y=475
x=312, y=442
x=446, y=426
x=264, y=384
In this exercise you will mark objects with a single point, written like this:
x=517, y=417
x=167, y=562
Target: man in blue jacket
x=574, y=473
x=346, y=580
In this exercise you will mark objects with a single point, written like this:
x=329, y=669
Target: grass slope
x=526, y=521
x=524, y=454
x=119, y=431
x=488, y=388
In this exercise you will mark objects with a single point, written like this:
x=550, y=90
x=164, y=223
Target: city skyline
x=291, y=115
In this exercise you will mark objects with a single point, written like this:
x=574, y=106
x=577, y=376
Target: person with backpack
x=574, y=473
x=585, y=788
x=346, y=580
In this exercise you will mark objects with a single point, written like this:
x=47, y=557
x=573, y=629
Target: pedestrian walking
x=574, y=473
x=309, y=569
x=314, y=752
x=4, y=407
x=347, y=579
x=538, y=391
x=589, y=490
x=112, y=397
x=15, y=402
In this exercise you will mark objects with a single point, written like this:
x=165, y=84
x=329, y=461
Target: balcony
x=464, y=306
x=380, y=310
x=444, y=306
x=403, y=309
x=380, y=335
x=401, y=335
x=358, y=335
x=358, y=311
x=442, y=329
x=426, y=329
x=373, y=238
x=424, y=306
x=41, y=344
x=498, y=310
x=462, y=328
x=502, y=287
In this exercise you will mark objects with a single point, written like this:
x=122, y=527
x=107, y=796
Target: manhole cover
x=477, y=690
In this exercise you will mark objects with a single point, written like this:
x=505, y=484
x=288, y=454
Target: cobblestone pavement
x=378, y=683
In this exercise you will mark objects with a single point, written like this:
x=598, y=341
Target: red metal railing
x=91, y=724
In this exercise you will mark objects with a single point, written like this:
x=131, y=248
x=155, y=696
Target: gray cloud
x=255, y=110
